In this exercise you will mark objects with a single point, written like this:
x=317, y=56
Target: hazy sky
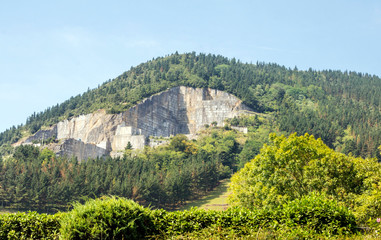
x=52, y=50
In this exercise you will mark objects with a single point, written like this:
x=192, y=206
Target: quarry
x=179, y=110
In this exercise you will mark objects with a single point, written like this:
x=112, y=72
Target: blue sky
x=52, y=50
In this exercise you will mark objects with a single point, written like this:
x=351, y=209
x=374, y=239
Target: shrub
x=290, y=168
x=30, y=225
x=235, y=219
x=316, y=212
x=180, y=222
x=107, y=218
x=240, y=219
x=312, y=215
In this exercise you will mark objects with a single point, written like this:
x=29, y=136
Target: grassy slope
x=215, y=200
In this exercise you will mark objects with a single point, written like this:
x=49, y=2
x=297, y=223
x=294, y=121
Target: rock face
x=178, y=110
x=43, y=135
x=71, y=147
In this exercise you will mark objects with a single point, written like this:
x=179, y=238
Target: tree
x=180, y=143
x=129, y=146
x=26, y=153
x=289, y=168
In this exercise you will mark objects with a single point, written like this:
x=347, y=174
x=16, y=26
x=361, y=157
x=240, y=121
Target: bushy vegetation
x=318, y=213
x=296, y=187
x=290, y=168
x=119, y=218
x=30, y=225
x=106, y=218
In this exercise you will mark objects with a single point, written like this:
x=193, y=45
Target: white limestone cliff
x=179, y=110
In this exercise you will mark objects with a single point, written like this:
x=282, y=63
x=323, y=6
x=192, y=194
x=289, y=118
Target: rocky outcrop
x=43, y=135
x=71, y=147
x=178, y=110
x=182, y=110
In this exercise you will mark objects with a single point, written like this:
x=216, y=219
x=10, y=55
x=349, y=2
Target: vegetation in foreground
x=119, y=218
x=290, y=168
x=296, y=188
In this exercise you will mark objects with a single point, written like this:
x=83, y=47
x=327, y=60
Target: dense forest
x=342, y=108
x=162, y=177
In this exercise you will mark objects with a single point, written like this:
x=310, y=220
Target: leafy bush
x=194, y=220
x=30, y=225
x=237, y=220
x=290, y=168
x=368, y=204
x=312, y=216
x=179, y=222
x=315, y=211
x=107, y=218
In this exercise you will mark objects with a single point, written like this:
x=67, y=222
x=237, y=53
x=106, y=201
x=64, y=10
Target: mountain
x=342, y=108
x=207, y=95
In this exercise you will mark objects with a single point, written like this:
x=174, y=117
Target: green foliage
x=46, y=155
x=290, y=168
x=313, y=216
x=368, y=204
x=6, y=150
x=222, y=145
x=237, y=219
x=165, y=176
x=106, y=218
x=310, y=216
x=245, y=121
x=249, y=151
x=29, y=225
x=178, y=143
x=317, y=212
x=26, y=153
x=129, y=146
x=178, y=222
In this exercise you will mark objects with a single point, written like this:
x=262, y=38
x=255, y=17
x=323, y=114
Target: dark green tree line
x=162, y=177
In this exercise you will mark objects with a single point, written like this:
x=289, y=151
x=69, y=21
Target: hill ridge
x=342, y=108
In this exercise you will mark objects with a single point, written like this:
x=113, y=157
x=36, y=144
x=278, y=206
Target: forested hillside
x=163, y=177
x=342, y=108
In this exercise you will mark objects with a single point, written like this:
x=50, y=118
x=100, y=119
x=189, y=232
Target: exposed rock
x=178, y=110
x=125, y=134
x=96, y=128
x=240, y=129
x=71, y=147
x=182, y=110
x=43, y=135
